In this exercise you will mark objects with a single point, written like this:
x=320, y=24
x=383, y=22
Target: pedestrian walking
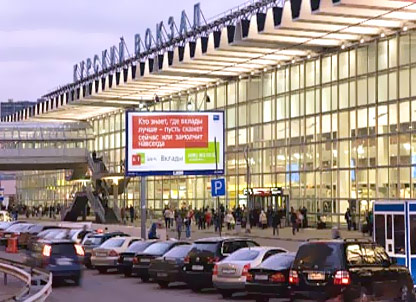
x=131, y=214
x=263, y=220
x=166, y=215
x=293, y=220
x=275, y=223
x=179, y=224
x=188, y=223
x=348, y=219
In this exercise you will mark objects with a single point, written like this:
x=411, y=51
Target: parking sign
x=218, y=187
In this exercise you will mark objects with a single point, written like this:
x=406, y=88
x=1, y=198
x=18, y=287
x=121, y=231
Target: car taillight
x=277, y=278
x=47, y=249
x=213, y=260
x=293, y=278
x=187, y=260
x=246, y=268
x=79, y=250
x=15, y=235
x=215, y=270
x=135, y=260
x=113, y=253
x=342, y=278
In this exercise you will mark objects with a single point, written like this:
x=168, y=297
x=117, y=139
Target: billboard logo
x=216, y=117
x=138, y=159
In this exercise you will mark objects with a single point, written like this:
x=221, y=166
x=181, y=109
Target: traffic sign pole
x=216, y=177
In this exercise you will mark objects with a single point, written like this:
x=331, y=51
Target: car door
x=390, y=278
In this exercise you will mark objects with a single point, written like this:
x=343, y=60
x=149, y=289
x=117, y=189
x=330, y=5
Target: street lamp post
x=246, y=157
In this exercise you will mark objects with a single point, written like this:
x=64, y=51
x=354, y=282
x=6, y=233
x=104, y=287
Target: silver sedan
x=229, y=275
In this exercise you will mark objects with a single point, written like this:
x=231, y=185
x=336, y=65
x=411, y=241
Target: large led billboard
x=174, y=143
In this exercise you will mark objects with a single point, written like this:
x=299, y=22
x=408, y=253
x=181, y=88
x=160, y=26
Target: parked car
x=271, y=278
x=42, y=235
x=61, y=257
x=349, y=269
x=205, y=253
x=30, y=235
x=141, y=261
x=91, y=241
x=106, y=256
x=5, y=216
x=229, y=275
x=126, y=259
x=14, y=232
x=169, y=268
x=6, y=224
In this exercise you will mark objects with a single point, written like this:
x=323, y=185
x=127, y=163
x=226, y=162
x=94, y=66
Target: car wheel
x=102, y=270
x=406, y=295
x=163, y=284
x=144, y=279
x=88, y=265
x=127, y=274
x=226, y=293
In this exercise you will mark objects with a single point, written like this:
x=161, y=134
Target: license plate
x=128, y=259
x=162, y=274
x=197, y=267
x=316, y=276
x=228, y=271
x=7, y=236
x=261, y=277
x=64, y=261
x=101, y=254
x=145, y=260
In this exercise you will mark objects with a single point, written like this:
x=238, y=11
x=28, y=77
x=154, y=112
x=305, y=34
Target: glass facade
x=334, y=132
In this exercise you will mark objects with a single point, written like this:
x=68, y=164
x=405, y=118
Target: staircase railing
x=95, y=203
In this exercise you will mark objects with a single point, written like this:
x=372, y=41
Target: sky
x=41, y=40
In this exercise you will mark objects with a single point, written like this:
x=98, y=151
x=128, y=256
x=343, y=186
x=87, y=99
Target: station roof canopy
x=254, y=38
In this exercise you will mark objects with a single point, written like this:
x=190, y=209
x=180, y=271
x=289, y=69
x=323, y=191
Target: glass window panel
x=393, y=86
x=310, y=73
x=382, y=120
x=280, y=108
x=231, y=118
x=404, y=83
x=393, y=52
x=326, y=99
x=334, y=68
x=343, y=63
x=371, y=90
x=267, y=84
x=294, y=77
x=231, y=138
x=255, y=113
x=254, y=91
x=352, y=94
x=242, y=115
x=353, y=56
x=310, y=102
x=334, y=97
x=242, y=136
x=404, y=49
x=393, y=117
x=267, y=111
x=404, y=116
x=362, y=60
x=281, y=81
x=294, y=102
x=343, y=95
x=343, y=121
x=326, y=69
x=372, y=56
x=382, y=55
x=393, y=182
x=362, y=88
x=382, y=88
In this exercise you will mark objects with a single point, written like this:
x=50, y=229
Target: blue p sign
x=218, y=187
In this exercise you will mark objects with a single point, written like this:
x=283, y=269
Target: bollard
x=12, y=246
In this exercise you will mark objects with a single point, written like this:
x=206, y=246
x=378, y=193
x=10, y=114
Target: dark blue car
x=63, y=258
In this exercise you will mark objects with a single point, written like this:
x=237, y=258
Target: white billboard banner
x=174, y=143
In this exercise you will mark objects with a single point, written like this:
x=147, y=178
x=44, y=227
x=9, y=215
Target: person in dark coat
x=293, y=220
x=131, y=213
x=275, y=222
x=179, y=224
x=153, y=232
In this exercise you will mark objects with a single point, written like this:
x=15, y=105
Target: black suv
x=347, y=269
x=205, y=253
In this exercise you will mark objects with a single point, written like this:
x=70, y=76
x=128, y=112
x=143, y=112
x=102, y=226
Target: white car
x=229, y=275
x=106, y=256
x=5, y=216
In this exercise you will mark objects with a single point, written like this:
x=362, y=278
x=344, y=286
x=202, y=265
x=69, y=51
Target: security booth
x=395, y=229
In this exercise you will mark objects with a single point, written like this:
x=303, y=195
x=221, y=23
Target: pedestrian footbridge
x=44, y=146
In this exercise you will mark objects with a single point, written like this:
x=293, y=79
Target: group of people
x=298, y=219
x=36, y=211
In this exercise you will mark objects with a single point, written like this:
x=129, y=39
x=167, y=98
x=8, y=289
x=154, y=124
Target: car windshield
x=278, y=262
x=94, y=240
x=319, y=256
x=243, y=255
x=157, y=249
x=53, y=234
x=178, y=252
x=138, y=247
x=18, y=227
x=113, y=242
x=206, y=246
x=35, y=228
